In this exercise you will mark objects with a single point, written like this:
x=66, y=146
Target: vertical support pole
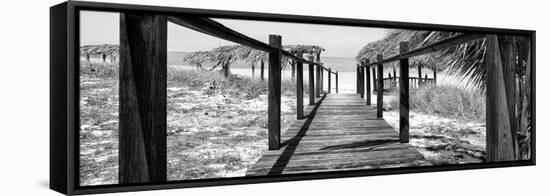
x=300, y=88
x=367, y=70
x=322, y=79
x=435, y=73
x=374, y=81
x=357, y=79
x=361, y=81
x=329, y=72
x=336, y=82
x=318, y=81
x=419, y=74
x=404, y=94
x=499, y=145
x=380, y=88
x=262, y=69
x=311, y=82
x=274, y=94
x=508, y=68
x=142, y=110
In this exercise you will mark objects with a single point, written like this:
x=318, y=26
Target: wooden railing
x=404, y=82
x=391, y=83
x=275, y=51
x=143, y=72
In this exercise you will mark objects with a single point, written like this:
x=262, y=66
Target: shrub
x=446, y=101
x=235, y=85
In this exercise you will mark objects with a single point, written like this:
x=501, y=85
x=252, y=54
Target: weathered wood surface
x=274, y=94
x=142, y=135
x=340, y=133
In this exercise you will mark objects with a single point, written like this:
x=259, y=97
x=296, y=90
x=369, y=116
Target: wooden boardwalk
x=342, y=133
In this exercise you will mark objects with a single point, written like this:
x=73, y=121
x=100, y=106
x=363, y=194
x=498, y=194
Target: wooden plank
x=353, y=138
x=274, y=94
x=142, y=109
x=300, y=88
x=367, y=83
x=311, y=82
x=499, y=137
x=380, y=88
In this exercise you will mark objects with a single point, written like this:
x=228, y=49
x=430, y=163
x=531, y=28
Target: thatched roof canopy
x=107, y=49
x=231, y=53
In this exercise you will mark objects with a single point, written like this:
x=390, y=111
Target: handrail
x=216, y=29
x=455, y=40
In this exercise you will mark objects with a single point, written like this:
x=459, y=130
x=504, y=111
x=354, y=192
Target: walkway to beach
x=340, y=132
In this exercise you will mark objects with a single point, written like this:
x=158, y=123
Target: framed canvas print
x=147, y=97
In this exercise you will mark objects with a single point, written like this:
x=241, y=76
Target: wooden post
x=361, y=83
x=367, y=70
x=329, y=76
x=499, y=145
x=142, y=109
x=357, y=79
x=322, y=79
x=311, y=82
x=404, y=94
x=336, y=82
x=380, y=88
x=374, y=81
x=300, y=88
x=509, y=72
x=419, y=74
x=318, y=81
x=274, y=94
x=435, y=73
x=262, y=69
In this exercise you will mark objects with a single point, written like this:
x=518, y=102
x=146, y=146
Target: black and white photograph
x=181, y=98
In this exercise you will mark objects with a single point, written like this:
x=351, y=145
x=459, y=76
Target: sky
x=339, y=41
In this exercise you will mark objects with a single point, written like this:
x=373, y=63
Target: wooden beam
x=299, y=88
x=404, y=94
x=216, y=29
x=311, y=82
x=142, y=109
x=274, y=94
x=499, y=145
x=380, y=88
x=361, y=82
x=367, y=71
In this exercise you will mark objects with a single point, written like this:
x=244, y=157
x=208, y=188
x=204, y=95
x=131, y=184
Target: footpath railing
x=404, y=80
x=495, y=83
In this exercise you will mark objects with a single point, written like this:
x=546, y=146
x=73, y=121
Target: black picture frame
x=64, y=93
